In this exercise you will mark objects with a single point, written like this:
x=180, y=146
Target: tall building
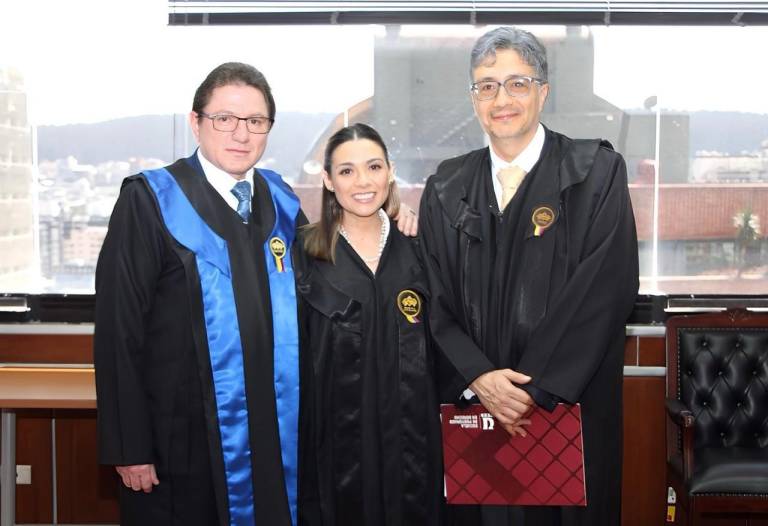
x=717, y=167
x=16, y=191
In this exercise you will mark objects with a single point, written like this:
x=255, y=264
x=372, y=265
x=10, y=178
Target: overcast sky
x=91, y=60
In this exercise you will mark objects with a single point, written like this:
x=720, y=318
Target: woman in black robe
x=374, y=415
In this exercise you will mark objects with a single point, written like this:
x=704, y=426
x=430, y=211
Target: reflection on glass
x=412, y=84
x=16, y=194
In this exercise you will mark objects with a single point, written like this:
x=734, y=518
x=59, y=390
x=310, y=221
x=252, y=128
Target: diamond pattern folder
x=486, y=465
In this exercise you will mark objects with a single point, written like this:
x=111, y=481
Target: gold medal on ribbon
x=542, y=219
x=277, y=247
x=409, y=304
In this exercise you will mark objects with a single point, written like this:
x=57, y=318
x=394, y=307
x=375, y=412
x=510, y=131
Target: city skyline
x=100, y=69
x=410, y=82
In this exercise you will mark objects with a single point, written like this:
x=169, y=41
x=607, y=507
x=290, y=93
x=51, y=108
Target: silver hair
x=527, y=46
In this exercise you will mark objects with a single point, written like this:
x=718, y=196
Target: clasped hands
x=504, y=400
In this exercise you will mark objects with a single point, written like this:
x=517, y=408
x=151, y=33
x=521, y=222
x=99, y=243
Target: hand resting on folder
x=503, y=399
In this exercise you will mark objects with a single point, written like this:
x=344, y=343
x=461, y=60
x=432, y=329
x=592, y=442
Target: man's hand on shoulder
x=140, y=477
x=407, y=221
x=502, y=398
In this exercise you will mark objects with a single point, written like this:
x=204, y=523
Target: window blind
x=481, y=12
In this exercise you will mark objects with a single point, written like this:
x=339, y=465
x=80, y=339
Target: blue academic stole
x=223, y=333
x=285, y=330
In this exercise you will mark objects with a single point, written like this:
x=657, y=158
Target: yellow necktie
x=510, y=179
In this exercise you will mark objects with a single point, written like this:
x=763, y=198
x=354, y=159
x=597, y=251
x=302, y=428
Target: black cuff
x=542, y=398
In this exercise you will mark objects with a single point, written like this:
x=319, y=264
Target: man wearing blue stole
x=196, y=339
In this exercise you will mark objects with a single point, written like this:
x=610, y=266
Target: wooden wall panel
x=34, y=503
x=644, y=470
x=653, y=352
x=631, y=349
x=46, y=348
x=87, y=492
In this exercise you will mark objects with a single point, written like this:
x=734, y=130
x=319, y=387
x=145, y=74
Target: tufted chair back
x=717, y=408
x=722, y=377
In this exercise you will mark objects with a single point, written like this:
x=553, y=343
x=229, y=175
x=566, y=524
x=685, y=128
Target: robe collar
x=205, y=199
x=573, y=157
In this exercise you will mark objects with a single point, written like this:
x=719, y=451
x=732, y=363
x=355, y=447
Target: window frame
x=649, y=309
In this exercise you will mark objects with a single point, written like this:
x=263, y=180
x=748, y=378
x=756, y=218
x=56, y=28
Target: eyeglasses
x=226, y=122
x=515, y=86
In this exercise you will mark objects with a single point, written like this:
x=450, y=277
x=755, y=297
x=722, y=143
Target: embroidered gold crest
x=542, y=219
x=409, y=304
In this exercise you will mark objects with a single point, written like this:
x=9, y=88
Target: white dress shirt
x=526, y=160
x=222, y=182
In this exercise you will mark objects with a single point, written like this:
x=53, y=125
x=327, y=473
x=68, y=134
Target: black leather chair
x=717, y=402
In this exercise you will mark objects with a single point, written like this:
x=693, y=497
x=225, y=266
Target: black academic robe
x=153, y=374
x=552, y=305
x=374, y=415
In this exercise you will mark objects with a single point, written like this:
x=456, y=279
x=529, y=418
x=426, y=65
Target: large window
x=86, y=102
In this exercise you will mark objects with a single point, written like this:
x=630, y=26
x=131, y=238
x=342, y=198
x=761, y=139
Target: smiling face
x=236, y=151
x=510, y=122
x=360, y=178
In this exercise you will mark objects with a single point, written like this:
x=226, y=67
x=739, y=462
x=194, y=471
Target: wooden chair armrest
x=684, y=418
x=679, y=413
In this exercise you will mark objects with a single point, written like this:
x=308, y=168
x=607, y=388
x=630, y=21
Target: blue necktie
x=242, y=191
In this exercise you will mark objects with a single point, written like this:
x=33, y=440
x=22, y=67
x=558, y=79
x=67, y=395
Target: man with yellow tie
x=531, y=252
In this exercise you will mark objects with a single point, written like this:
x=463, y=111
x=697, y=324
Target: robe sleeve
x=128, y=268
x=446, y=330
x=568, y=346
x=301, y=219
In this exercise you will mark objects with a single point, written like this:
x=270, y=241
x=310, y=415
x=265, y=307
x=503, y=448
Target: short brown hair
x=233, y=73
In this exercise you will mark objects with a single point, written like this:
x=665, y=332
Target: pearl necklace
x=382, y=238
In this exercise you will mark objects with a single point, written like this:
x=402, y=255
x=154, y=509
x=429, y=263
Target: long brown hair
x=320, y=238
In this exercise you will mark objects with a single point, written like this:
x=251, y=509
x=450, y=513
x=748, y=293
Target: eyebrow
x=233, y=114
x=510, y=76
x=366, y=162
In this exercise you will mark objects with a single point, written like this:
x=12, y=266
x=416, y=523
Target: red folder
x=486, y=465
